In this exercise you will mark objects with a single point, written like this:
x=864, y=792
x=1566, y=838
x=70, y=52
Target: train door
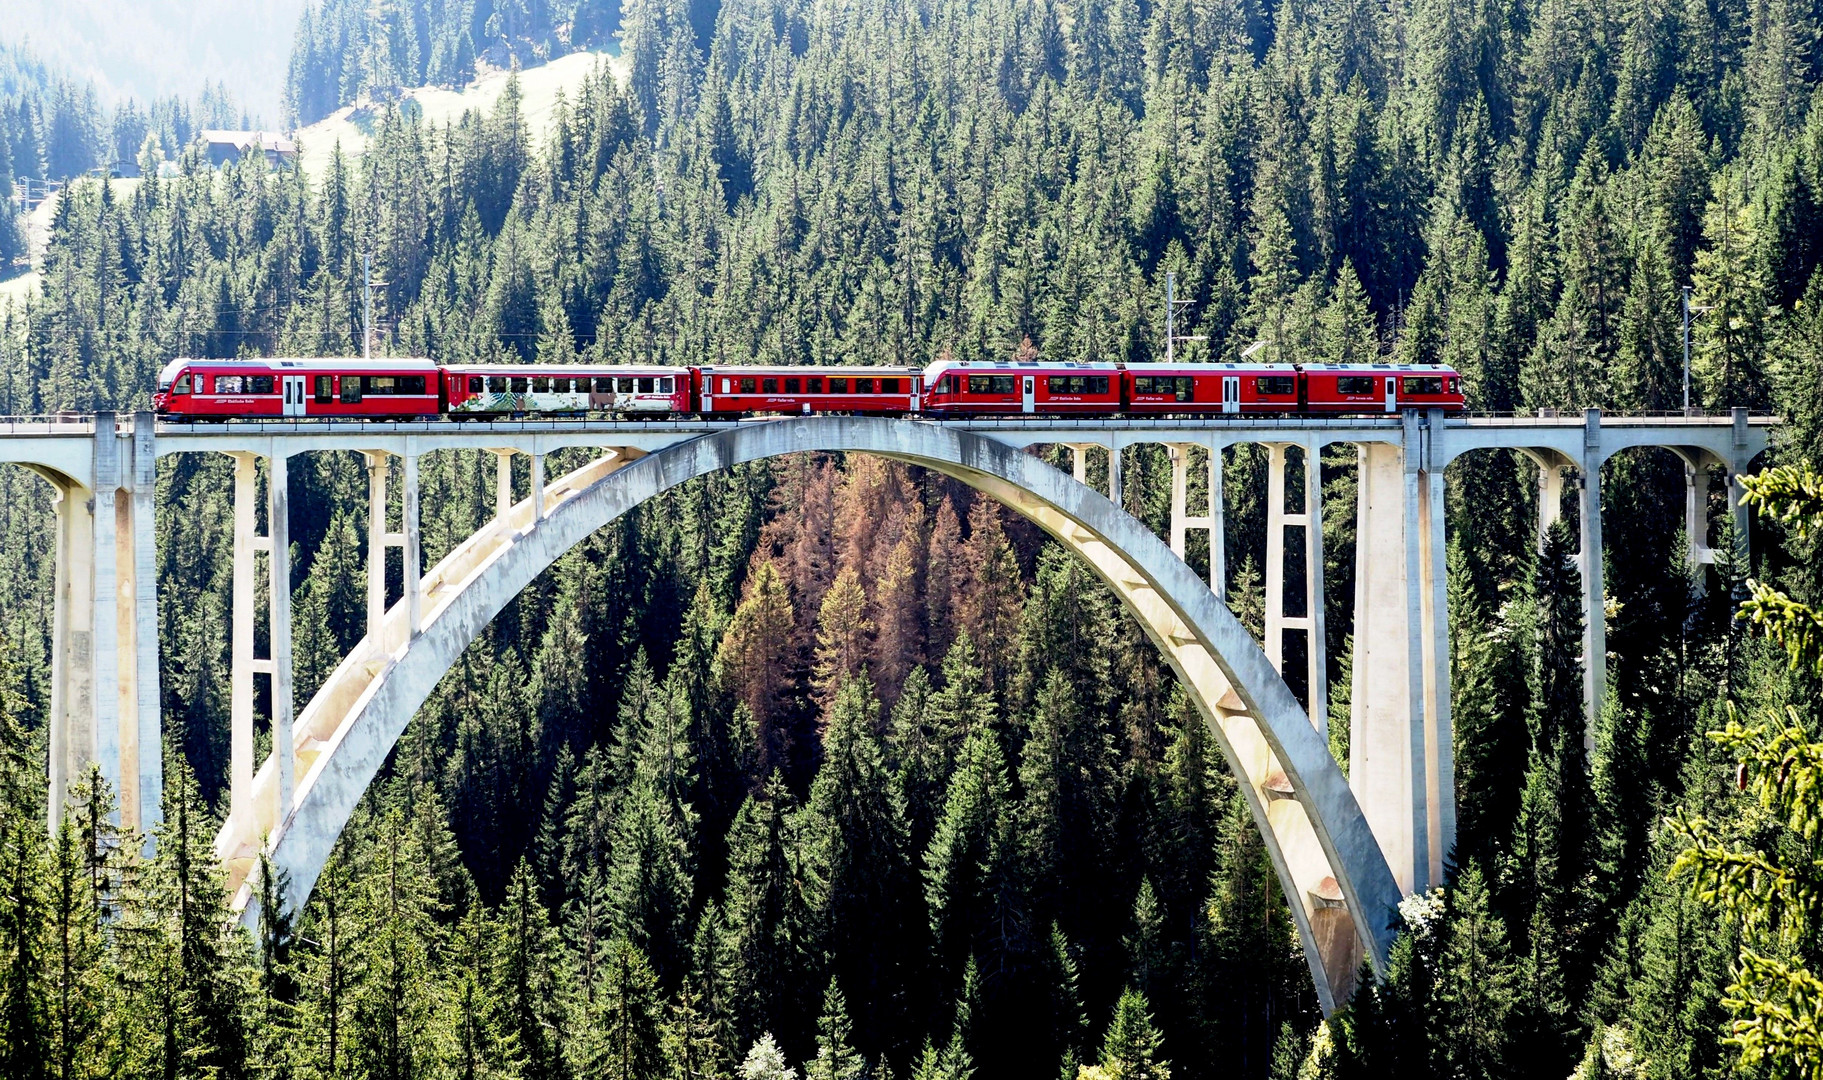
x=1392, y=394
x=293, y=398
x=1231, y=393
x=1028, y=399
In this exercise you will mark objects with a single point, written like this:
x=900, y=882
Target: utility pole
x=1170, y=316
x=367, y=313
x=1171, y=306
x=1689, y=310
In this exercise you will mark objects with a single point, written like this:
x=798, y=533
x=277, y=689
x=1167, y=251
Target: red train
x=376, y=389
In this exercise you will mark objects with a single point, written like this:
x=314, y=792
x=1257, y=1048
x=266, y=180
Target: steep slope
x=353, y=125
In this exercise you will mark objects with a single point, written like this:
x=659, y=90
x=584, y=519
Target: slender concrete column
x=278, y=531
x=1387, y=730
x=1218, y=526
x=126, y=644
x=1114, y=487
x=377, y=465
x=72, y=735
x=1180, y=467
x=240, y=676
x=1594, y=593
x=1737, y=510
x=503, y=481
x=537, y=487
x=1550, y=499
x=1421, y=725
x=414, y=568
x=1696, y=515
x=1316, y=626
x=105, y=620
x=148, y=702
x=1275, y=555
x=1440, y=775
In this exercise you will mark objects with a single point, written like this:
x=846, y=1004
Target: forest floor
x=352, y=125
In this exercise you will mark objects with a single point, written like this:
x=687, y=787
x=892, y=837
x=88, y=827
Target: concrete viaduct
x=1346, y=849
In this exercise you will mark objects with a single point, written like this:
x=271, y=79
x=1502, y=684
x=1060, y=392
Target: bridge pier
x=1401, y=756
x=1594, y=587
x=276, y=664
x=104, y=706
x=1210, y=521
x=1310, y=520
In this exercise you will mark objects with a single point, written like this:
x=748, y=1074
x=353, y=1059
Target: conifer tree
x=836, y=1058
x=1132, y=1048
x=857, y=841
x=1727, y=341
x=531, y=1008
x=484, y=1044
x=765, y=1061
x=1477, y=986
x=620, y=1038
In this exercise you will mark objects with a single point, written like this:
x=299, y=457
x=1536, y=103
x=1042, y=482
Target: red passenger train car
x=228, y=389
x=487, y=390
x=726, y=391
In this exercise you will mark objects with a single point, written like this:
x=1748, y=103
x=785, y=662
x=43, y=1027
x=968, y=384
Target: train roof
x=807, y=369
x=1440, y=369
x=565, y=369
x=314, y=363
x=1019, y=365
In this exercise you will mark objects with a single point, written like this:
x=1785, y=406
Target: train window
x=816, y=386
x=604, y=385
x=1355, y=384
x=991, y=384
x=943, y=386
x=664, y=385
x=323, y=394
x=259, y=384
x=183, y=384
x=645, y=386
x=1077, y=384
x=411, y=384
x=1455, y=385
x=749, y=385
x=496, y=384
x=1421, y=384
x=769, y=386
x=889, y=386
x=227, y=384
x=864, y=386
x=725, y=384
x=351, y=389
x=475, y=383
x=541, y=384
x=519, y=383
x=1060, y=384
x=838, y=386
x=1275, y=384
x=793, y=386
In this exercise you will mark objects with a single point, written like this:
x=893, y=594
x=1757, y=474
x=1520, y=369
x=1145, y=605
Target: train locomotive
x=417, y=389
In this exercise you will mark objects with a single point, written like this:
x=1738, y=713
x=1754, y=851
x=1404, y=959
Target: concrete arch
x=1340, y=889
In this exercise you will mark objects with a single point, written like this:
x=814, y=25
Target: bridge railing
x=48, y=424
